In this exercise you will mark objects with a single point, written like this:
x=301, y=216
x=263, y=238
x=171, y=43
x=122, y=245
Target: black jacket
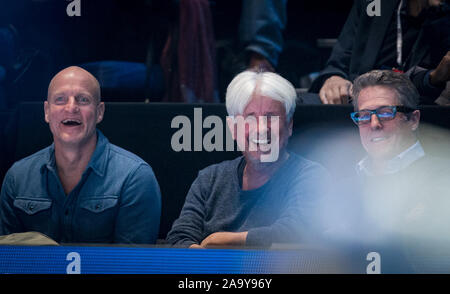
x=362, y=37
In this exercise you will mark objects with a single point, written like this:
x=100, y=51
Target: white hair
x=269, y=84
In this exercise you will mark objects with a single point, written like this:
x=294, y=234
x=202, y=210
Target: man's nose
x=72, y=105
x=375, y=122
x=263, y=126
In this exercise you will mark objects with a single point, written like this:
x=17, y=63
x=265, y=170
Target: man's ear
x=100, y=111
x=46, y=111
x=415, y=119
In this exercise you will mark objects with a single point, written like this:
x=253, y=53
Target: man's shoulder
x=302, y=174
x=31, y=162
x=221, y=168
x=304, y=165
x=432, y=167
x=430, y=163
x=120, y=156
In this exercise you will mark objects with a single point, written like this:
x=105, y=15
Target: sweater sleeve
x=188, y=228
x=420, y=77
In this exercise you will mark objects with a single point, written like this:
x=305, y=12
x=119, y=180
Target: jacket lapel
x=377, y=32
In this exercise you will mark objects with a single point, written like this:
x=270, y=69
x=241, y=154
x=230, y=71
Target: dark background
x=127, y=30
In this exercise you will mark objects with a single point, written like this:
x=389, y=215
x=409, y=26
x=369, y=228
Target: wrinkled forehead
x=74, y=82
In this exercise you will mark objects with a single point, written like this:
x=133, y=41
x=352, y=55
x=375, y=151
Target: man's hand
x=441, y=74
x=196, y=246
x=223, y=239
x=335, y=90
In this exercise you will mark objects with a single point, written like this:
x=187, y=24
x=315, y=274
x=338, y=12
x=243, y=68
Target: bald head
x=73, y=108
x=75, y=75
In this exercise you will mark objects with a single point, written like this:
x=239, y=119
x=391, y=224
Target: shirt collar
x=399, y=162
x=99, y=158
x=49, y=159
x=97, y=162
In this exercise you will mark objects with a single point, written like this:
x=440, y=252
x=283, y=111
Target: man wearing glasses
x=400, y=187
x=399, y=199
x=81, y=189
x=386, y=114
x=387, y=117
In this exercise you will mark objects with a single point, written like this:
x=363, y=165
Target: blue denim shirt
x=117, y=200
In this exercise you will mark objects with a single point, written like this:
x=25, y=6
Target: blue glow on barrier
x=132, y=260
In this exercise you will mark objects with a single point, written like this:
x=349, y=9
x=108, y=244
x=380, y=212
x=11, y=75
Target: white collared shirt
x=399, y=162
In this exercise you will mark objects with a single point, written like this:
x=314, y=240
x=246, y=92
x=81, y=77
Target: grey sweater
x=280, y=211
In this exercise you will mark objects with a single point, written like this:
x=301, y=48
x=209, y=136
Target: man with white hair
x=260, y=198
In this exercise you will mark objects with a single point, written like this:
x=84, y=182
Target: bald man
x=81, y=189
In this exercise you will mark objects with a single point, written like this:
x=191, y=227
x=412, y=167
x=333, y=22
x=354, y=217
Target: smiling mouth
x=71, y=122
x=263, y=142
x=378, y=139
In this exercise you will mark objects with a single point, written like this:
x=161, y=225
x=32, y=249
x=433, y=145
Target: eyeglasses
x=383, y=113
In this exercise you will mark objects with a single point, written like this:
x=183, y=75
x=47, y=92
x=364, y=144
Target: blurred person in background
x=411, y=36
